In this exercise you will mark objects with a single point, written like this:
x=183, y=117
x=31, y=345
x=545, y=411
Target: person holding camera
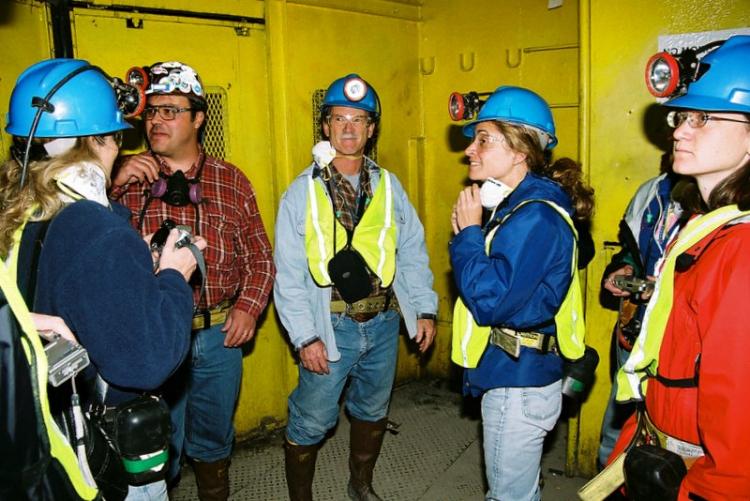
x=514, y=265
x=690, y=362
x=650, y=220
x=350, y=255
x=74, y=253
x=175, y=179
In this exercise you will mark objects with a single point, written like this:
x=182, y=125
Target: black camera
x=64, y=359
x=159, y=238
x=632, y=284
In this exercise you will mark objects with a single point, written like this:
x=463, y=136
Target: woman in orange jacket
x=694, y=346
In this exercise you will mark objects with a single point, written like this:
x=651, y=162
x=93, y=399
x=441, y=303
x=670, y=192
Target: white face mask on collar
x=493, y=192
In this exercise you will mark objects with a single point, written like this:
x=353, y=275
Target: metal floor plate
x=435, y=455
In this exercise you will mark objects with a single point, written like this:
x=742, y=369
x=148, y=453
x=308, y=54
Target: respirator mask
x=493, y=192
x=177, y=190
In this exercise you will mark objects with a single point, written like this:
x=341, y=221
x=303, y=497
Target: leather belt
x=364, y=309
x=510, y=340
x=203, y=319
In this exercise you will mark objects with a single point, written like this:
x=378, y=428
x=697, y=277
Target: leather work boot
x=299, y=461
x=366, y=438
x=212, y=479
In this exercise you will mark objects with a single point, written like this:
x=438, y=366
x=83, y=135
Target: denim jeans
x=515, y=422
x=616, y=414
x=155, y=491
x=368, y=360
x=202, y=396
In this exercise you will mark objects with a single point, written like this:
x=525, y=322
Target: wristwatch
x=427, y=316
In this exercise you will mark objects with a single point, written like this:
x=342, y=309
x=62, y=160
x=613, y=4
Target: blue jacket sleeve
x=96, y=272
x=523, y=281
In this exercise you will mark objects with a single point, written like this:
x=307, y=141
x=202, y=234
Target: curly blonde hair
x=40, y=189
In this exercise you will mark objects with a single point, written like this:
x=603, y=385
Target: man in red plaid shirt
x=176, y=180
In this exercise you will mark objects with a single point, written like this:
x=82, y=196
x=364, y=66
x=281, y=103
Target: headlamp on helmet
x=465, y=106
x=130, y=99
x=668, y=74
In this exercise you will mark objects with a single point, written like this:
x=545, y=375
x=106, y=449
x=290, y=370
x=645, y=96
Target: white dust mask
x=493, y=192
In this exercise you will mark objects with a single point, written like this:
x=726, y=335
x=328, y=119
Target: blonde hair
x=565, y=171
x=40, y=188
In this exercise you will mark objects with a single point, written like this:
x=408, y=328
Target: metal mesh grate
x=436, y=456
x=217, y=124
x=317, y=103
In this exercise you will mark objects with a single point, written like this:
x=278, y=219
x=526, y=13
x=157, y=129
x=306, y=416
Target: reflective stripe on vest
x=60, y=449
x=375, y=237
x=470, y=339
x=632, y=378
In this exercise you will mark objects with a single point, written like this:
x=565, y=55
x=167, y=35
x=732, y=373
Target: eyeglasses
x=484, y=140
x=165, y=112
x=357, y=121
x=696, y=119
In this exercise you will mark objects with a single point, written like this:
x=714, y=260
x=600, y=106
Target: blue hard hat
x=519, y=106
x=354, y=92
x=725, y=86
x=85, y=105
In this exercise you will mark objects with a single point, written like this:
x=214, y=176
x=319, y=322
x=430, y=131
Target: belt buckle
x=509, y=342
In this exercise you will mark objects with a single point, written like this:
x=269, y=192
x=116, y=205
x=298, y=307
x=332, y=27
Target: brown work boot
x=366, y=438
x=212, y=479
x=299, y=461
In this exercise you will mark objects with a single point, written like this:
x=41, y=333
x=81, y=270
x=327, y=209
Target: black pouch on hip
x=653, y=473
x=349, y=274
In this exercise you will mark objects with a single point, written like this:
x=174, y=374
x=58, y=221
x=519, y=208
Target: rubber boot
x=299, y=461
x=366, y=438
x=212, y=479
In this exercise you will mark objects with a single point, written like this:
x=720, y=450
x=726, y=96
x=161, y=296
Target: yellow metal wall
x=414, y=52
x=25, y=40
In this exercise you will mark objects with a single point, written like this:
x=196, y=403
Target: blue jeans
x=202, y=396
x=515, y=422
x=616, y=414
x=155, y=491
x=368, y=361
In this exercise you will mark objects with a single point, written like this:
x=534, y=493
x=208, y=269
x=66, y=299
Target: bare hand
x=240, y=328
x=314, y=357
x=609, y=282
x=468, y=208
x=136, y=169
x=425, y=333
x=181, y=259
x=47, y=325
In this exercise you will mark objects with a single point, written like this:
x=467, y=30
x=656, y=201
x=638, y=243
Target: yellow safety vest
x=470, y=339
x=375, y=237
x=632, y=378
x=60, y=449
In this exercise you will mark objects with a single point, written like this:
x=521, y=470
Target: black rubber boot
x=366, y=438
x=299, y=461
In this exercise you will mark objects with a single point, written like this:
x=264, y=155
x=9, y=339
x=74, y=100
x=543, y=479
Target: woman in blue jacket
x=516, y=277
x=74, y=252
